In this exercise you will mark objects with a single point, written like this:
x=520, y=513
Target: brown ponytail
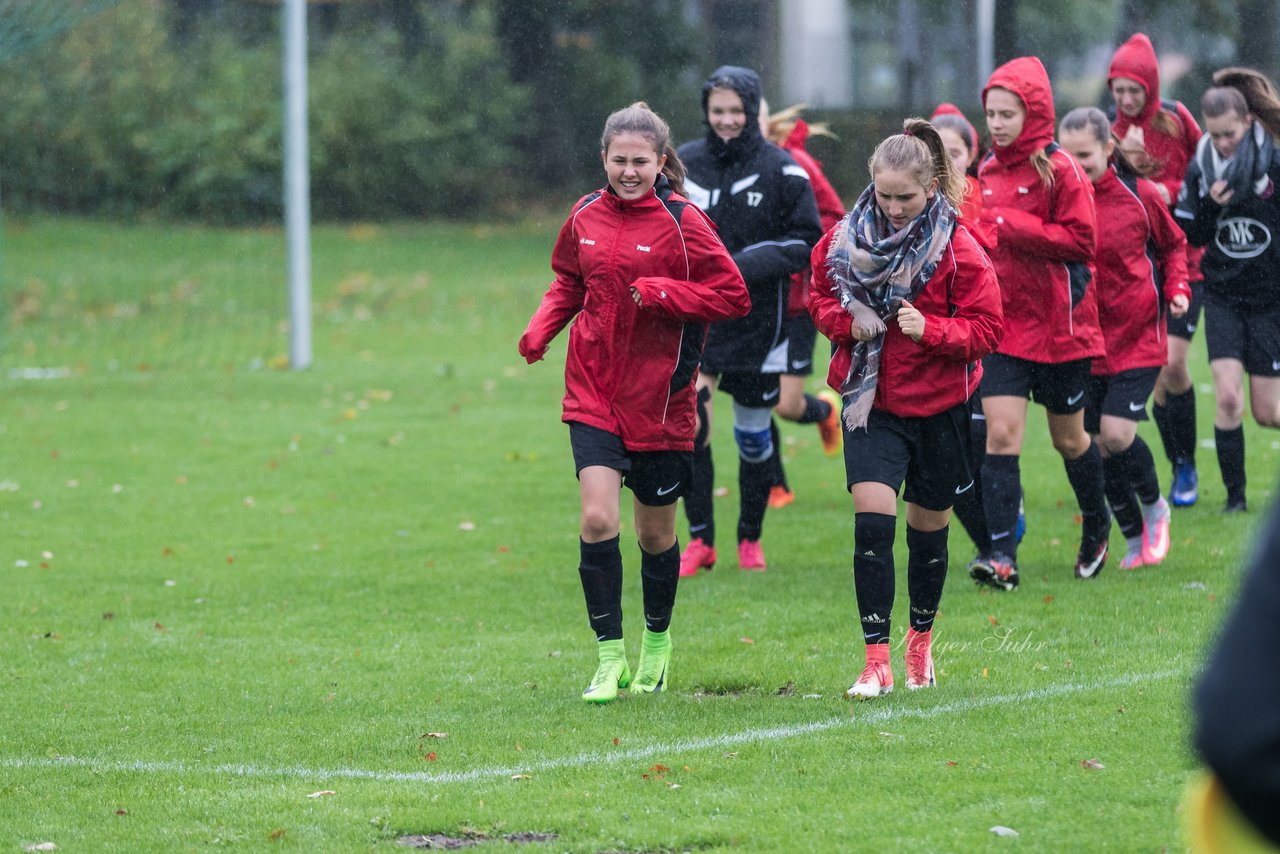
x=1259, y=95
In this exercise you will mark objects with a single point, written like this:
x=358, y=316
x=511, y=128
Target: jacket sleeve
x=776, y=258
x=1071, y=233
x=828, y=315
x=1171, y=243
x=714, y=290
x=976, y=323
x=1197, y=214
x=563, y=299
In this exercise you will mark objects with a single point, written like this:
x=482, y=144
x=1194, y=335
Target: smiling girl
x=1229, y=205
x=911, y=304
x=641, y=273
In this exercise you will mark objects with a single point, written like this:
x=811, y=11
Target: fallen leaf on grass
x=720, y=491
x=433, y=735
x=322, y=793
x=521, y=776
x=731, y=755
x=617, y=741
x=466, y=526
x=41, y=846
x=277, y=834
x=746, y=640
x=1001, y=830
x=888, y=735
x=430, y=757
x=1092, y=764
x=122, y=811
x=984, y=673
x=951, y=764
x=991, y=618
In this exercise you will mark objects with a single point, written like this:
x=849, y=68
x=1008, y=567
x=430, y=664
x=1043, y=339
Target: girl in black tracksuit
x=1230, y=204
x=763, y=204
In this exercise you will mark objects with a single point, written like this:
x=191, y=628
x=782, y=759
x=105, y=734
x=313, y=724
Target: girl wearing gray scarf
x=1229, y=204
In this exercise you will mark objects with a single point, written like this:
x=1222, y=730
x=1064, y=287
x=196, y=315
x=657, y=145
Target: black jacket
x=763, y=204
x=1242, y=259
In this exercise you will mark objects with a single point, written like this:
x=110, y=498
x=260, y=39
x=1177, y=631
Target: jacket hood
x=746, y=83
x=945, y=109
x=1136, y=60
x=1026, y=78
x=799, y=135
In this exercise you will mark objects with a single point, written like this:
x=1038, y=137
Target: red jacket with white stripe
x=1169, y=155
x=963, y=323
x=630, y=370
x=1134, y=286
x=1038, y=231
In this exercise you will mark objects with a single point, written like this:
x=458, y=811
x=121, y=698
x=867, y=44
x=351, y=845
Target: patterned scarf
x=875, y=268
x=1245, y=171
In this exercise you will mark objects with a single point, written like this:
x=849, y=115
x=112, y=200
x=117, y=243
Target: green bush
x=116, y=119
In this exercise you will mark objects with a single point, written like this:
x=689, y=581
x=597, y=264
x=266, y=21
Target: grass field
x=338, y=610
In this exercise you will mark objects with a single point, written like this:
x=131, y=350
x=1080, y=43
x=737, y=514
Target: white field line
x=885, y=714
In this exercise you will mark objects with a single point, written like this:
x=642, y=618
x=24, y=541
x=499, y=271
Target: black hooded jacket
x=763, y=204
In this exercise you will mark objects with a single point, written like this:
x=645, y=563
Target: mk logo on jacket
x=1242, y=237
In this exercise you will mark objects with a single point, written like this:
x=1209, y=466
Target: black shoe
x=996, y=571
x=1235, y=504
x=1093, y=551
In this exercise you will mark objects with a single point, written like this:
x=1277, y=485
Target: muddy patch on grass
x=445, y=842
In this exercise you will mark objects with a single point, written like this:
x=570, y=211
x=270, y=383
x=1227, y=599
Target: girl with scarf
x=1229, y=205
x=1159, y=138
x=1038, y=206
x=911, y=303
x=1141, y=267
x=640, y=272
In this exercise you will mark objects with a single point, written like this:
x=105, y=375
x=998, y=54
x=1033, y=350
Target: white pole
x=297, y=183
x=986, y=14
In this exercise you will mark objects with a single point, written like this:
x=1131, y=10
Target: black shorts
x=932, y=455
x=1185, y=326
x=1059, y=388
x=801, y=335
x=1122, y=395
x=656, y=478
x=756, y=391
x=1248, y=334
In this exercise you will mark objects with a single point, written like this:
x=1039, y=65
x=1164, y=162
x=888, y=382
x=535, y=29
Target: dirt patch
x=445, y=842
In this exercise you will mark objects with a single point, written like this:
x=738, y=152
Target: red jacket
x=631, y=370
x=1038, y=231
x=830, y=208
x=1136, y=60
x=963, y=323
x=1130, y=303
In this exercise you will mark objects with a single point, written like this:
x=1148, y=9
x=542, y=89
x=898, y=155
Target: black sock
x=1231, y=460
x=753, y=482
x=697, y=498
x=815, y=410
x=659, y=575
x=777, y=475
x=1142, y=472
x=926, y=573
x=1001, y=489
x=1180, y=413
x=1085, y=474
x=873, y=577
x=1124, y=504
x=968, y=507
x=601, y=574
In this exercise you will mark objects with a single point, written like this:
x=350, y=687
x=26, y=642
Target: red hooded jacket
x=971, y=207
x=961, y=305
x=1039, y=230
x=1130, y=302
x=830, y=208
x=630, y=370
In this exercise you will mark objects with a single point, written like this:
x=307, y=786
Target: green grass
x=229, y=586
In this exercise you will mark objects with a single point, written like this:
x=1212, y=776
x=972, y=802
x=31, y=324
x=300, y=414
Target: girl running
x=764, y=207
x=910, y=302
x=790, y=132
x=1141, y=267
x=1229, y=205
x=1159, y=138
x=1038, y=207
x=641, y=272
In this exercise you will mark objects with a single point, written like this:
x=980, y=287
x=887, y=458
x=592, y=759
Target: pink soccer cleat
x=697, y=555
x=919, y=660
x=877, y=677
x=750, y=555
x=1155, y=535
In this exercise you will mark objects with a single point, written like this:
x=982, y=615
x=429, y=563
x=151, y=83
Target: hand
x=635, y=295
x=866, y=324
x=531, y=354
x=911, y=321
x=1219, y=192
x=1135, y=141
x=1178, y=305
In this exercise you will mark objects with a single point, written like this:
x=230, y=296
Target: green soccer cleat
x=612, y=674
x=655, y=661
